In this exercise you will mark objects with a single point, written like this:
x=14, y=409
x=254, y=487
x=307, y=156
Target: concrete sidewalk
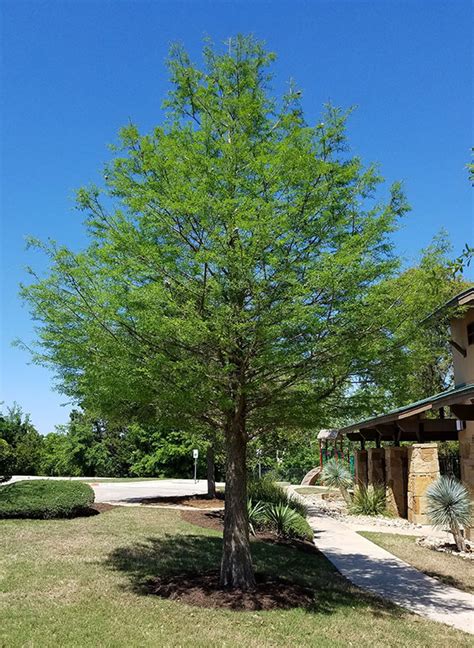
x=372, y=568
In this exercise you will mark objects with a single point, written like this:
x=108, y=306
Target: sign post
x=259, y=455
x=195, y=457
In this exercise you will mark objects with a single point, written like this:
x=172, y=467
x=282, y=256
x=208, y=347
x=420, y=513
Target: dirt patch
x=102, y=508
x=206, y=519
x=203, y=590
x=95, y=509
x=193, y=501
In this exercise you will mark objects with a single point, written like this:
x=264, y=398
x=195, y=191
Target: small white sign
x=195, y=454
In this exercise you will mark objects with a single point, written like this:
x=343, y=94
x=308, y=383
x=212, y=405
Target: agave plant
x=368, y=501
x=449, y=505
x=336, y=475
x=255, y=512
x=281, y=517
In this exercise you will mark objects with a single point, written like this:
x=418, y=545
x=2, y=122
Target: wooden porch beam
x=463, y=412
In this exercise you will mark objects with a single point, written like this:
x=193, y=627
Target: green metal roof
x=457, y=395
x=464, y=298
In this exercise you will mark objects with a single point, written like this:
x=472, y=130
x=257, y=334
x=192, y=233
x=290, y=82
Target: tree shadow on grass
x=170, y=556
x=452, y=581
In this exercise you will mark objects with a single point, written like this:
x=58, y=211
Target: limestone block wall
x=376, y=466
x=466, y=455
x=423, y=470
x=396, y=478
x=360, y=467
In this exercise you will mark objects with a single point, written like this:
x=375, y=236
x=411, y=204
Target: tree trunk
x=211, y=473
x=458, y=538
x=236, y=566
x=345, y=494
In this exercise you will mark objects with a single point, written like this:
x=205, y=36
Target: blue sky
x=73, y=72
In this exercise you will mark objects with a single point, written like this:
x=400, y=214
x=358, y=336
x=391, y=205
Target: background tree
x=420, y=361
x=233, y=272
x=21, y=447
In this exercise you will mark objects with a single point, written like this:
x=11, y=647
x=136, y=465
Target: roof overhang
x=328, y=435
x=408, y=420
x=446, y=311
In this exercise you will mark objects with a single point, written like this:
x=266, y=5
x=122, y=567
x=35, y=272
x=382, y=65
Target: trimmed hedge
x=267, y=491
x=45, y=499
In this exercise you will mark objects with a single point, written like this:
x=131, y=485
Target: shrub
x=368, y=501
x=256, y=515
x=44, y=499
x=265, y=490
x=287, y=522
x=449, y=505
x=336, y=475
x=300, y=528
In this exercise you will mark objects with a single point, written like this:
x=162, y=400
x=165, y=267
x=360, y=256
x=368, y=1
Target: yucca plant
x=281, y=518
x=256, y=514
x=368, y=501
x=336, y=475
x=449, y=505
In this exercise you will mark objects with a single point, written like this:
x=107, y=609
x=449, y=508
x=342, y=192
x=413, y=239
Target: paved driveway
x=133, y=491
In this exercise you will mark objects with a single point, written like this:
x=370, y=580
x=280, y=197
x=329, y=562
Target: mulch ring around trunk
x=203, y=590
x=215, y=520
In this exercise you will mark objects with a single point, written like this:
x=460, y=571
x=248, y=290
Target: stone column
x=396, y=478
x=423, y=470
x=376, y=466
x=466, y=456
x=360, y=468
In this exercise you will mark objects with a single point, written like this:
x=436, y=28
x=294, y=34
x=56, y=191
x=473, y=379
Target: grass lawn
x=311, y=490
x=81, y=583
x=449, y=569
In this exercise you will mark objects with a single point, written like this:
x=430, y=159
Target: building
x=407, y=471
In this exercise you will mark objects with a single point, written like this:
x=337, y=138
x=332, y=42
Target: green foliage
x=286, y=522
x=265, y=490
x=90, y=446
x=234, y=276
x=242, y=237
x=299, y=528
x=280, y=517
x=463, y=261
x=20, y=452
x=298, y=452
x=297, y=461
x=42, y=498
x=336, y=475
x=6, y=460
x=421, y=360
x=449, y=506
x=368, y=501
x=256, y=515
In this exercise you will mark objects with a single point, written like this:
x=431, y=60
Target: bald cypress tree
x=228, y=280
